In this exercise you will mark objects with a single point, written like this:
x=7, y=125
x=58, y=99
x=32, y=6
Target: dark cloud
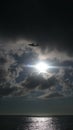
x=6, y=90
x=32, y=82
x=40, y=82
x=20, y=92
x=2, y=60
x=3, y=75
x=48, y=83
x=21, y=77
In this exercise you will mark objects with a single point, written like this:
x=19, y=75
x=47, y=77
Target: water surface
x=36, y=123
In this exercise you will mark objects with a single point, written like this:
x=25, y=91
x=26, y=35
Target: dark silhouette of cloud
x=32, y=81
x=6, y=90
x=48, y=83
x=2, y=60
x=2, y=76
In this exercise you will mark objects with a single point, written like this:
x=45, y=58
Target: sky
x=51, y=27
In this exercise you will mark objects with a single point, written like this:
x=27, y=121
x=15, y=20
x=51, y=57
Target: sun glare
x=41, y=67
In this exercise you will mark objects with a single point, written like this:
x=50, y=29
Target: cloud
x=13, y=69
x=61, y=83
x=15, y=58
x=52, y=95
x=3, y=60
x=38, y=81
x=32, y=82
x=3, y=75
x=6, y=90
x=47, y=83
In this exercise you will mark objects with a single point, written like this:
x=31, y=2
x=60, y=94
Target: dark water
x=36, y=123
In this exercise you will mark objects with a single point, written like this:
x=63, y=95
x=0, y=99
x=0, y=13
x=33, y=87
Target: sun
x=41, y=67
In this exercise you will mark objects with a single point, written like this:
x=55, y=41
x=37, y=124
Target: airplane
x=34, y=44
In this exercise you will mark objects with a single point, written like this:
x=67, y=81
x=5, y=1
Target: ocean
x=36, y=123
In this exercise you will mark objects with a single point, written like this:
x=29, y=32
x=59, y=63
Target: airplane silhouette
x=34, y=44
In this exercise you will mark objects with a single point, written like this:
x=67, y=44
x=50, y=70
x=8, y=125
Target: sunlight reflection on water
x=40, y=123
